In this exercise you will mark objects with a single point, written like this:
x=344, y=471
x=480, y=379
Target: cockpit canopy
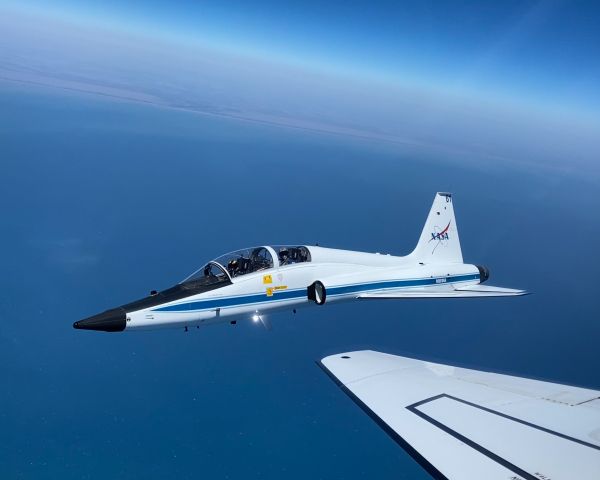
x=247, y=260
x=210, y=274
x=289, y=255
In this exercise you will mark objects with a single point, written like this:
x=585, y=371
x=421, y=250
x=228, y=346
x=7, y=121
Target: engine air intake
x=317, y=293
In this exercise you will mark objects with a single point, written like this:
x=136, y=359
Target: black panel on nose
x=109, y=321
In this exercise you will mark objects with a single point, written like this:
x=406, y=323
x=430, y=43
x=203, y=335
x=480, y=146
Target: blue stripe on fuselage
x=243, y=300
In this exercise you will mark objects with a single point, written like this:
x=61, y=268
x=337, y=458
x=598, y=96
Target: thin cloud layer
x=37, y=49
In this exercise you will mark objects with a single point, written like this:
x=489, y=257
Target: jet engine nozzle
x=484, y=273
x=317, y=293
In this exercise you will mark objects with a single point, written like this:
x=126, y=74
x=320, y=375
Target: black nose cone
x=109, y=321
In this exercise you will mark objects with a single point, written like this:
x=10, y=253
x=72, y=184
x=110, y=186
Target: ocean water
x=103, y=201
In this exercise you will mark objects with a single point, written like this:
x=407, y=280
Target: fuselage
x=262, y=280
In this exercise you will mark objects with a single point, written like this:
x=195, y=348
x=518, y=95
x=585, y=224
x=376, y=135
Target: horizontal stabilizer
x=490, y=290
x=455, y=292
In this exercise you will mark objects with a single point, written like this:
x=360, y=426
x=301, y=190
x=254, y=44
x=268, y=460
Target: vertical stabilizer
x=439, y=241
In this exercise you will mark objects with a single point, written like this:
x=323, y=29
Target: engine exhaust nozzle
x=484, y=273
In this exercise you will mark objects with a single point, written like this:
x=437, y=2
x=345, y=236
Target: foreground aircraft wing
x=468, y=424
x=450, y=292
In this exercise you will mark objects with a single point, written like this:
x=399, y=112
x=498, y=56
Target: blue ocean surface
x=103, y=201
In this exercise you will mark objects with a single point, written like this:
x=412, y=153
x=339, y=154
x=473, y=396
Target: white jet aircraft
x=251, y=282
x=464, y=424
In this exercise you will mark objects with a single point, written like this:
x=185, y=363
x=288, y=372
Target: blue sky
x=510, y=83
x=540, y=52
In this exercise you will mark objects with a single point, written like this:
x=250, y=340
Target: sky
x=140, y=139
x=512, y=85
x=536, y=51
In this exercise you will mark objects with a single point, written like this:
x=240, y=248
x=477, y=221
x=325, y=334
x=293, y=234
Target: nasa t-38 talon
x=252, y=282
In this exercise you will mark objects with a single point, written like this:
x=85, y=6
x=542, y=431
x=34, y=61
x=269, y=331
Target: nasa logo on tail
x=440, y=236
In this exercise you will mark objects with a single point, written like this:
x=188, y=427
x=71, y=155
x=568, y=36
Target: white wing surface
x=468, y=424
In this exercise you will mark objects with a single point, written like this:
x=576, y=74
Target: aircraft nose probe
x=113, y=320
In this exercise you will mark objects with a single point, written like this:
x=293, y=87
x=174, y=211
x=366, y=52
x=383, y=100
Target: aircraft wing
x=468, y=424
x=450, y=292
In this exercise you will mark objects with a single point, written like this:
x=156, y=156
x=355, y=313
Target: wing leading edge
x=468, y=424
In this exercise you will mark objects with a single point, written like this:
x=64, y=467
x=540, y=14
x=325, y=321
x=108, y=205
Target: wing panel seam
x=414, y=406
x=467, y=441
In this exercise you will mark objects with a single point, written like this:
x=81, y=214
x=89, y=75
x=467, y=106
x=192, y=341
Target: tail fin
x=439, y=241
